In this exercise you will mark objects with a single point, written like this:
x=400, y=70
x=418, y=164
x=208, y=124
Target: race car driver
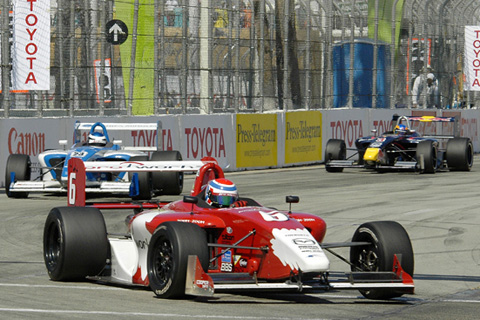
x=97, y=139
x=222, y=193
x=401, y=129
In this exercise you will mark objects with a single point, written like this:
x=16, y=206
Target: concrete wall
x=238, y=141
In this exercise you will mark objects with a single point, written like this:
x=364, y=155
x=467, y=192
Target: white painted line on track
x=46, y=286
x=144, y=314
x=460, y=301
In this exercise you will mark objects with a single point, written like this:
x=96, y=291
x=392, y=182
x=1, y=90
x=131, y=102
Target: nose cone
x=299, y=250
x=371, y=154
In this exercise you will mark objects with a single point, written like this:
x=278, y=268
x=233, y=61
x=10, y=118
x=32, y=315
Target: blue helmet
x=401, y=128
x=221, y=193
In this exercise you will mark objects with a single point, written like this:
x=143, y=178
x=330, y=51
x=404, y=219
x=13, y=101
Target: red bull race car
x=404, y=148
x=189, y=247
x=93, y=142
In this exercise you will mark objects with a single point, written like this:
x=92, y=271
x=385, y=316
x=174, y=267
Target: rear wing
x=452, y=127
x=107, y=127
x=77, y=172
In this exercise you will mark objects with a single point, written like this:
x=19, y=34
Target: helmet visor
x=223, y=201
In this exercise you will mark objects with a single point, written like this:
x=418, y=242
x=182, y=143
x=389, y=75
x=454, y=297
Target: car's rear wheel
x=168, y=252
x=144, y=180
x=21, y=165
x=167, y=183
x=459, y=154
x=75, y=243
x=336, y=149
x=386, y=239
x=426, y=155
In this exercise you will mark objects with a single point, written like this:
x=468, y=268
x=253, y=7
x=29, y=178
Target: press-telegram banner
x=31, y=45
x=471, y=66
x=303, y=136
x=256, y=140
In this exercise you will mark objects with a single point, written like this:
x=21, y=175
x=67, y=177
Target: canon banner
x=472, y=58
x=31, y=45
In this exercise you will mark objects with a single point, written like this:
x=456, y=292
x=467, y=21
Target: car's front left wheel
x=386, y=239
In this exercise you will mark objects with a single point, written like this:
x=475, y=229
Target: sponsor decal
x=203, y=142
x=472, y=58
x=298, y=249
x=273, y=215
x=148, y=138
x=204, y=284
x=227, y=237
x=227, y=256
x=243, y=263
x=256, y=140
x=30, y=143
x=31, y=45
x=382, y=125
x=142, y=244
x=303, y=136
x=348, y=130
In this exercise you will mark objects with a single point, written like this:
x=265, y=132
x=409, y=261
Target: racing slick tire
x=459, y=154
x=386, y=239
x=22, y=166
x=144, y=181
x=168, y=252
x=428, y=151
x=167, y=183
x=75, y=243
x=336, y=149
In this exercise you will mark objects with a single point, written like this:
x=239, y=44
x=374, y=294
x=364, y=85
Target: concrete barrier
x=238, y=141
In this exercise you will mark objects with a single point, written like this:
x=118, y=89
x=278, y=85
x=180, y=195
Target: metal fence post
x=5, y=58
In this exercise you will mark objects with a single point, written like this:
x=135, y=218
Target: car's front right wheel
x=75, y=243
x=168, y=252
x=336, y=149
x=20, y=165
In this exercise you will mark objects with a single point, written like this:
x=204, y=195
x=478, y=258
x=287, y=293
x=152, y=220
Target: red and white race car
x=187, y=247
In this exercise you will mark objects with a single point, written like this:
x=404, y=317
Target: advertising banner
x=31, y=45
x=140, y=42
x=472, y=58
x=303, y=136
x=208, y=136
x=256, y=140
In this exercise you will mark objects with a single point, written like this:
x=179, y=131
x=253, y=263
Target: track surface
x=440, y=212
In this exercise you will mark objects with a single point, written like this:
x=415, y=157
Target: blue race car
x=405, y=149
x=96, y=146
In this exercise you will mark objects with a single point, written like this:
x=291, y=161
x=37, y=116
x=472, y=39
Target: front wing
x=399, y=165
x=199, y=283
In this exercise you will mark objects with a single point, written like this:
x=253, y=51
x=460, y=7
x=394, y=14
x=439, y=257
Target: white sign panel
x=31, y=45
x=471, y=66
x=208, y=136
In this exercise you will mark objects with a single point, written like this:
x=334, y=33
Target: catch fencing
x=153, y=57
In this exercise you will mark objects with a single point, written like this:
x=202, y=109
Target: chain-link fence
x=132, y=57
